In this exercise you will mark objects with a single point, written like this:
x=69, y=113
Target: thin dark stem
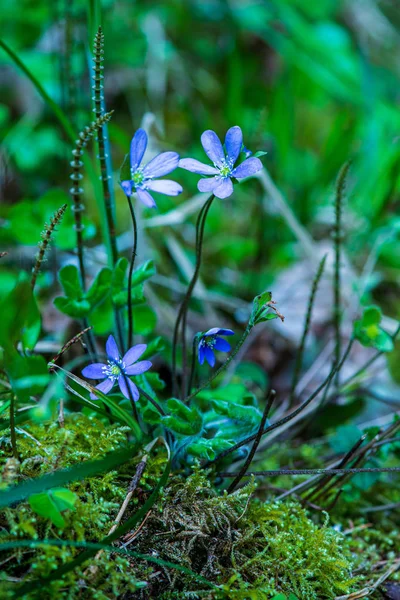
x=132, y=401
x=289, y=417
x=223, y=366
x=300, y=353
x=243, y=470
x=120, y=329
x=193, y=367
x=337, y=316
x=199, y=237
x=277, y=472
x=199, y=248
x=154, y=403
x=12, y=427
x=321, y=484
x=132, y=263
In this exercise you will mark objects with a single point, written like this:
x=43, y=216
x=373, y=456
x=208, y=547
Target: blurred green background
x=312, y=83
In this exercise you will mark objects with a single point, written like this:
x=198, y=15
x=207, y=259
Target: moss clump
x=247, y=548
x=241, y=544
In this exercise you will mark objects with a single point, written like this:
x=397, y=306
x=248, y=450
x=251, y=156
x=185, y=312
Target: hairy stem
x=300, y=353
x=46, y=238
x=337, y=313
x=102, y=140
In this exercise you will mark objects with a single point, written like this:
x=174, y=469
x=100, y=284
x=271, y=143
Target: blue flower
x=118, y=369
x=142, y=178
x=210, y=341
x=224, y=162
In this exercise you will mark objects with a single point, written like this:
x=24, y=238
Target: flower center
x=137, y=177
x=113, y=370
x=225, y=171
x=210, y=342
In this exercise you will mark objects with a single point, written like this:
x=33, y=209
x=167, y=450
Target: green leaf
x=72, y=308
x=248, y=415
x=28, y=375
x=154, y=347
x=52, y=503
x=261, y=312
x=70, y=281
x=20, y=317
x=100, y=287
x=119, y=275
x=259, y=154
x=208, y=449
x=143, y=273
x=372, y=316
x=183, y=420
x=383, y=342
x=145, y=320
x=368, y=332
x=119, y=286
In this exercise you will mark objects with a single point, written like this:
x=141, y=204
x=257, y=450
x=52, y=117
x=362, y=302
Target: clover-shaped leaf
x=368, y=331
x=76, y=303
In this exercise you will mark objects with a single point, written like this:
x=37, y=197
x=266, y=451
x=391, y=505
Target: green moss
x=246, y=547
x=241, y=544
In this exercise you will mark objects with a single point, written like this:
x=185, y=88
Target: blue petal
x=112, y=349
x=195, y=166
x=233, y=143
x=94, y=371
x=146, y=198
x=225, y=332
x=210, y=358
x=127, y=186
x=126, y=385
x=138, y=368
x=138, y=148
x=213, y=147
x=201, y=353
x=207, y=185
x=224, y=189
x=134, y=353
x=249, y=167
x=212, y=331
x=222, y=345
x=164, y=186
x=161, y=165
x=105, y=386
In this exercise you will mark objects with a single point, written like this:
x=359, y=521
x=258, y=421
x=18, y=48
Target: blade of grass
x=60, y=478
x=100, y=546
